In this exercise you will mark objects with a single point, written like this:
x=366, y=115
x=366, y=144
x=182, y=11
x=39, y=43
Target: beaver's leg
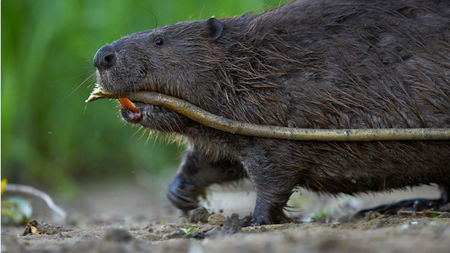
x=412, y=204
x=273, y=189
x=196, y=172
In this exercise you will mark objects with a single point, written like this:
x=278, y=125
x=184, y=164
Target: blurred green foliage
x=50, y=138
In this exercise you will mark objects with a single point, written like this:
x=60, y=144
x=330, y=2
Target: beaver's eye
x=159, y=41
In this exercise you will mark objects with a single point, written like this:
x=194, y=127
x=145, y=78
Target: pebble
x=118, y=235
x=216, y=219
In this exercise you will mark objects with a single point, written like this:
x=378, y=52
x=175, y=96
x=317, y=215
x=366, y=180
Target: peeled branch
x=302, y=134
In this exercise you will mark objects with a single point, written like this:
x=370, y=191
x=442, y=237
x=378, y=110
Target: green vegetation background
x=50, y=138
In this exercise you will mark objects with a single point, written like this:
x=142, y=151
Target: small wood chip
x=31, y=228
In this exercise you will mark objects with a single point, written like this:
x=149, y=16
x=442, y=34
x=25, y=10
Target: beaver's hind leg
x=196, y=172
x=418, y=204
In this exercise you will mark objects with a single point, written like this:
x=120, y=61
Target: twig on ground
x=60, y=214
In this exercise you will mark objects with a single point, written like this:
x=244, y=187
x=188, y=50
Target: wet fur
x=308, y=64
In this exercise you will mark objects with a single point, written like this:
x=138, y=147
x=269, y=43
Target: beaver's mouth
x=129, y=109
x=131, y=115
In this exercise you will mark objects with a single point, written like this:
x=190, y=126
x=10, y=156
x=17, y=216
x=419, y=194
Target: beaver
x=321, y=64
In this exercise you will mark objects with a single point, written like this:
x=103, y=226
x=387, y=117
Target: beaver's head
x=168, y=60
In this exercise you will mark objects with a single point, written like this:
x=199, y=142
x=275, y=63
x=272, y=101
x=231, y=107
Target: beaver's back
x=353, y=64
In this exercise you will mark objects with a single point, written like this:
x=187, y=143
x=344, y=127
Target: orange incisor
x=127, y=104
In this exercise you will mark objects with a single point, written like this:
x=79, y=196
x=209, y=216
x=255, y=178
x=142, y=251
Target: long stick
x=236, y=127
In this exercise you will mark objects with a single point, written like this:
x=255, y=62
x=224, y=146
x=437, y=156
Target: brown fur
x=307, y=64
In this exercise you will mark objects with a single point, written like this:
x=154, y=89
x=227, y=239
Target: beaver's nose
x=105, y=58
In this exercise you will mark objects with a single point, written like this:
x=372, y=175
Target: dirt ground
x=136, y=217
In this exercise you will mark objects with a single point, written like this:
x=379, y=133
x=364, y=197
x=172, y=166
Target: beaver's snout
x=105, y=58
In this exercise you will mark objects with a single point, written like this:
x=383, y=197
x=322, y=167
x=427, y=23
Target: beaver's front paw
x=183, y=194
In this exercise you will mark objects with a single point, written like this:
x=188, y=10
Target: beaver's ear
x=214, y=28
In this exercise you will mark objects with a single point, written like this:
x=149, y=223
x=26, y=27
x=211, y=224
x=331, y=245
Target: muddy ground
x=136, y=217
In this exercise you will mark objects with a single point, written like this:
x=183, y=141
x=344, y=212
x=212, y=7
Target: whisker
x=85, y=108
x=140, y=128
x=148, y=137
x=78, y=86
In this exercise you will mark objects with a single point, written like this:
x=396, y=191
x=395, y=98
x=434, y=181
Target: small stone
x=199, y=215
x=118, y=235
x=216, y=219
